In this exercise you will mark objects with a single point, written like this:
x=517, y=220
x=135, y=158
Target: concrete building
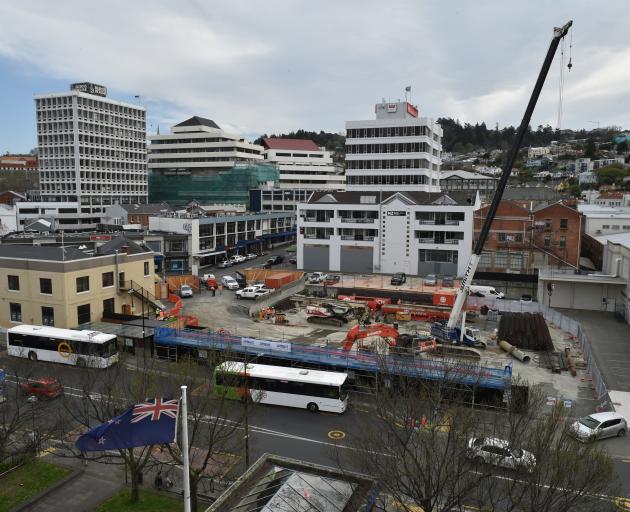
x=613, y=199
x=396, y=151
x=386, y=232
x=538, y=152
x=458, y=180
x=604, y=220
x=92, y=150
x=133, y=214
x=199, y=146
x=52, y=216
x=200, y=241
x=8, y=220
x=522, y=241
x=68, y=286
x=270, y=198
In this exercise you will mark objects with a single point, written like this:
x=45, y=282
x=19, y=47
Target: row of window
x=407, y=147
x=91, y=103
x=413, y=163
x=389, y=131
x=379, y=179
x=278, y=386
x=48, y=312
x=82, y=283
x=616, y=226
x=219, y=149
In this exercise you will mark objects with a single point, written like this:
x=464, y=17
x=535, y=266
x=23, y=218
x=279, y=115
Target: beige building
x=66, y=287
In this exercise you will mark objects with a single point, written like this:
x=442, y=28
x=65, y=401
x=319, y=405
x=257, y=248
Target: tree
x=590, y=150
x=105, y=394
x=612, y=174
x=623, y=147
x=213, y=424
x=417, y=448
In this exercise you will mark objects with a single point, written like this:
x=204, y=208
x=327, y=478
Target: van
x=486, y=291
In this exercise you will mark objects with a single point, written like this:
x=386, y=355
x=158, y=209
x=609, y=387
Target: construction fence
x=564, y=323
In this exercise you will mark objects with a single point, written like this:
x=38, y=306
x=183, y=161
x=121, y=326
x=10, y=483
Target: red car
x=45, y=387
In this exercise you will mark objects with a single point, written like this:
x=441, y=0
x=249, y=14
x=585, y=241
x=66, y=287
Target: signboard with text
x=279, y=346
x=90, y=88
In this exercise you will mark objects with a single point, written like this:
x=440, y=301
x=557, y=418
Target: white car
x=315, y=277
x=237, y=258
x=206, y=277
x=498, y=452
x=251, y=256
x=599, y=426
x=225, y=264
x=185, y=291
x=251, y=292
x=229, y=282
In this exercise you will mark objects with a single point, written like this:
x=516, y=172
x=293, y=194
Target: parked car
x=251, y=256
x=599, y=426
x=185, y=291
x=330, y=279
x=526, y=298
x=293, y=261
x=238, y=258
x=315, y=277
x=276, y=259
x=498, y=452
x=251, y=292
x=398, y=278
x=205, y=277
x=486, y=291
x=225, y=264
x=240, y=279
x=430, y=280
x=229, y=282
x=45, y=387
x=448, y=282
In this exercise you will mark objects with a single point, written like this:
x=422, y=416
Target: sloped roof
x=116, y=244
x=42, y=252
x=149, y=208
x=462, y=198
x=199, y=121
x=532, y=194
x=290, y=144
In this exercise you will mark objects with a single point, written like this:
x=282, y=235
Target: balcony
x=359, y=220
x=358, y=238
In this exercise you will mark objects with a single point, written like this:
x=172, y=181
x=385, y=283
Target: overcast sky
x=273, y=66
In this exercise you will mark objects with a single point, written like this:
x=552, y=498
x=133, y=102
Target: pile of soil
x=525, y=330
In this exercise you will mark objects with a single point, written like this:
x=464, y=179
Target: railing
x=358, y=238
x=317, y=237
x=452, y=241
x=136, y=288
x=363, y=220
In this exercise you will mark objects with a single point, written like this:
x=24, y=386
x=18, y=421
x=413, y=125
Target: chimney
x=125, y=249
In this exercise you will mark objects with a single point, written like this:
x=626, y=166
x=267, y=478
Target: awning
x=278, y=235
x=203, y=254
x=587, y=263
x=245, y=243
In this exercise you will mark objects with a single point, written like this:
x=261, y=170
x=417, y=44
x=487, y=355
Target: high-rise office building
x=396, y=151
x=92, y=150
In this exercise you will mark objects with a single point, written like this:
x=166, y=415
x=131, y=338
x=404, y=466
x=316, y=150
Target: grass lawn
x=149, y=502
x=24, y=483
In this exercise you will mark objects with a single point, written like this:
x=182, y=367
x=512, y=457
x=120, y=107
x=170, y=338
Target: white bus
x=314, y=390
x=66, y=346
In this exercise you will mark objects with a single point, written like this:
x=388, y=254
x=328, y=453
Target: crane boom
x=462, y=292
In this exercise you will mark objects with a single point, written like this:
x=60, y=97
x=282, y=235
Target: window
x=48, y=316
x=83, y=284
x=146, y=268
x=16, y=311
x=14, y=283
x=547, y=223
x=606, y=226
x=501, y=259
x=45, y=286
x=615, y=226
x=501, y=237
x=108, y=306
x=563, y=241
x=108, y=279
x=83, y=314
x=564, y=223
x=547, y=240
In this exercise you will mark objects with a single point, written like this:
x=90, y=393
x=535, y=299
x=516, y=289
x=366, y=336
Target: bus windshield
x=108, y=349
x=343, y=392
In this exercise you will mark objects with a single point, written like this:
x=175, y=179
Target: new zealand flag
x=151, y=422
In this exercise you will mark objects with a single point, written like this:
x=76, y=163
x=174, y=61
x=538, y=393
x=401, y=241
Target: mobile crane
x=454, y=330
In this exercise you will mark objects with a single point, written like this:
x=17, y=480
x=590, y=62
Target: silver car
x=185, y=291
x=498, y=452
x=599, y=426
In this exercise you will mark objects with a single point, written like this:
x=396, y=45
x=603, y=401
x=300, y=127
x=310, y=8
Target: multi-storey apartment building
x=396, y=151
x=92, y=150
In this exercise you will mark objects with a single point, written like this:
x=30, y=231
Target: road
x=316, y=438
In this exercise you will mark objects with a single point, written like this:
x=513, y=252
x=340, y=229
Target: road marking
x=627, y=461
x=336, y=434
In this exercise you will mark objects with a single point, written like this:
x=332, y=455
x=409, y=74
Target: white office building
x=396, y=151
x=92, y=150
x=386, y=232
x=199, y=146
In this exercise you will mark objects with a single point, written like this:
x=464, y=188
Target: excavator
x=454, y=330
x=384, y=338
x=328, y=314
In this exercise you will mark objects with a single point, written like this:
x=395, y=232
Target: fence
x=569, y=325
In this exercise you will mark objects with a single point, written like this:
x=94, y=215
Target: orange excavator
x=383, y=338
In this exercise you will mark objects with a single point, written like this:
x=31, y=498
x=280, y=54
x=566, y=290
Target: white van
x=485, y=291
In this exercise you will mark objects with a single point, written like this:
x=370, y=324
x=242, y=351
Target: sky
x=274, y=66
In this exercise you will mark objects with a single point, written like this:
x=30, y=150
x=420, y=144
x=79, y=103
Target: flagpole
x=186, y=475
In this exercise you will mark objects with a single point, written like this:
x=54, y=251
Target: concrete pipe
x=514, y=352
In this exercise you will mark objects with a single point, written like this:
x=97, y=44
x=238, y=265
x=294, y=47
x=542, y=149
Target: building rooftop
x=465, y=175
x=532, y=193
x=146, y=208
x=280, y=484
x=290, y=144
x=459, y=198
x=571, y=276
x=198, y=121
x=616, y=238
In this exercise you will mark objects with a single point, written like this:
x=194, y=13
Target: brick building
x=523, y=240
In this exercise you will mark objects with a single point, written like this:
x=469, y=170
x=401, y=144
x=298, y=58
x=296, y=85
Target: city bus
x=81, y=348
x=314, y=390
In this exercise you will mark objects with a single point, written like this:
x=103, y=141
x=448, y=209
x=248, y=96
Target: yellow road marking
x=336, y=434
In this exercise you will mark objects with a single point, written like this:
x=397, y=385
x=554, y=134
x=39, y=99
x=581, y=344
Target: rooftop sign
x=89, y=88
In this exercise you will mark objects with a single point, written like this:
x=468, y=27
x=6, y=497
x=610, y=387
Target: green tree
x=590, y=150
x=622, y=147
x=611, y=174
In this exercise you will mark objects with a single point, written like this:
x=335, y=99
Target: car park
x=398, y=278
x=499, y=452
x=185, y=291
x=229, y=282
x=45, y=387
x=430, y=280
x=251, y=292
x=599, y=426
x=225, y=264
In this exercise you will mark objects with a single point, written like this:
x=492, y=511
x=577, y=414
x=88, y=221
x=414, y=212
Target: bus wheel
x=32, y=356
x=312, y=407
x=81, y=363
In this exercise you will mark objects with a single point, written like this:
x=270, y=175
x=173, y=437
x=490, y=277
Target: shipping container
x=444, y=298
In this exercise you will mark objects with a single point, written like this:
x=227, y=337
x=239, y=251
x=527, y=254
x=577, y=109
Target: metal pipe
x=514, y=352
